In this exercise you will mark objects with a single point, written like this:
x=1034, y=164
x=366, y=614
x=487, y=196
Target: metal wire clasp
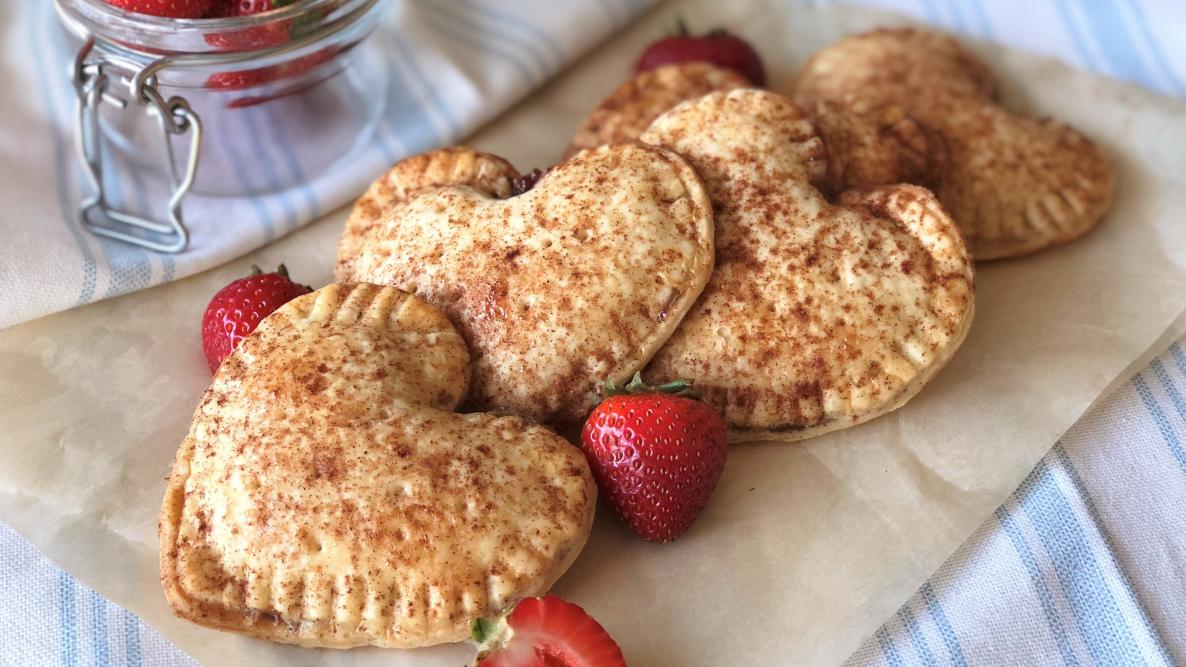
x=174, y=116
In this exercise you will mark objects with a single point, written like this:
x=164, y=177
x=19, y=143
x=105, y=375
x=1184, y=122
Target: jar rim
x=156, y=33
x=102, y=12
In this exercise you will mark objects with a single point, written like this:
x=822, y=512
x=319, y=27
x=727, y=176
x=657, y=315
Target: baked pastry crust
x=1016, y=184
x=488, y=174
x=576, y=281
x=328, y=495
x=865, y=147
x=817, y=316
x=631, y=108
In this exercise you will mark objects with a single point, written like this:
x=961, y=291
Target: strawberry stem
x=637, y=386
x=482, y=629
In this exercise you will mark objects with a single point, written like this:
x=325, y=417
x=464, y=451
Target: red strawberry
x=176, y=9
x=264, y=36
x=257, y=77
x=656, y=456
x=545, y=632
x=237, y=309
x=241, y=80
x=717, y=47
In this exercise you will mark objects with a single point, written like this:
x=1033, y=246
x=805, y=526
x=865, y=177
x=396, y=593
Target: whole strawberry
x=176, y=9
x=237, y=309
x=273, y=33
x=656, y=456
x=545, y=632
x=717, y=47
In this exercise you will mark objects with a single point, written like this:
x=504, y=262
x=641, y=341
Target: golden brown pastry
x=865, y=148
x=574, y=282
x=631, y=108
x=817, y=316
x=1015, y=183
x=328, y=495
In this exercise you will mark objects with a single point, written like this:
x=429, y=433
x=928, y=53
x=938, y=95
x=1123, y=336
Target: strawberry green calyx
x=637, y=386
x=483, y=630
x=491, y=634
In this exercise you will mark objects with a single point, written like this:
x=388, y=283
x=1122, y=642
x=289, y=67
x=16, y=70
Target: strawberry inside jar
x=259, y=76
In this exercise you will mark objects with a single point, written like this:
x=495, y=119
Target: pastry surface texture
x=327, y=494
x=817, y=316
x=556, y=290
x=1015, y=183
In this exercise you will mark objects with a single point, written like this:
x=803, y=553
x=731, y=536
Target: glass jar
x=190, y=104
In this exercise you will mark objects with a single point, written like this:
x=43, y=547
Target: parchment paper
x=805, y=548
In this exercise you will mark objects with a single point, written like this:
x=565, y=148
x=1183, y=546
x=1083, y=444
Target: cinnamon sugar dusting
x=817, y=315
x=362, y=510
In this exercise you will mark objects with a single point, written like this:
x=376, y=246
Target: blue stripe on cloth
x=407, y=118
x=250, y=118
x=1168, y=386
x=67, y=619
x=1060, y=453
x=917, y=640
x=231, y=147
x=1108, y=28
x=383, y=145
x=141, y=192
x=955, y=652
x=1161, y=421
x=933, y=13
x=40, y=11
x=507, y=32
x=1077, y=39
x=983, y=24
x=1154, y=45
x=277, y=132
x=132, y=654
x=1179, y=358
x=129, y=268
x=519, y=23
x=957, y=15
x=1101, y=625
x=475, y=40
x=406, y=55
x=1045, y=597
x=888, y=650
x=100, y=646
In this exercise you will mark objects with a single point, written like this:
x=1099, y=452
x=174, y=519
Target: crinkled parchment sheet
x=805, y=548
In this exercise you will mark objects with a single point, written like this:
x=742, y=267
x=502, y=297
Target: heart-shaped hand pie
x=580, y=279
x=633, y=106
x=328, y=495
x=1015, y=184
x=488, y=174
x=817, y=317
x=864, y=148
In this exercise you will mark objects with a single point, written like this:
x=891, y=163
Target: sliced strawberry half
x=545, y=632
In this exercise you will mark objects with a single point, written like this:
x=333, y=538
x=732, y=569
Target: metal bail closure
x=174, y=116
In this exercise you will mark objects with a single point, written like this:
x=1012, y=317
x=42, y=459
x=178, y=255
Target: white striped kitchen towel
x=483, y=55
x=1083, y=565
